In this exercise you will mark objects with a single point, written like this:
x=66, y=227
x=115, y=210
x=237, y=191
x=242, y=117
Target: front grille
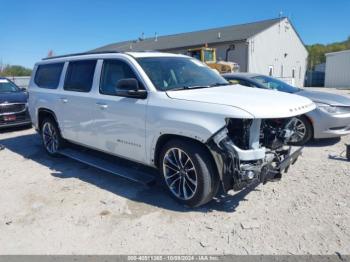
x=20, y=118
x=11, y=108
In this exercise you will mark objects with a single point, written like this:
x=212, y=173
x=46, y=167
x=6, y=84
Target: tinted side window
x=112, y=72
x=245, y=83
x=80, y=75
x=48, y=76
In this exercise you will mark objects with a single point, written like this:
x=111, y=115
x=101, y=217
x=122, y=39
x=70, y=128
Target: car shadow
x=30, y=147
x=323, y=142
x=4, y=130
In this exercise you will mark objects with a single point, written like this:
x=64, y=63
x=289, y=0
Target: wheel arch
x=44, y=113
x=311, y=124
x=165, y=138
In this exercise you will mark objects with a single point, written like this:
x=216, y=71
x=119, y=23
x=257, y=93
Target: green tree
x=15, y=70
x=317, y=51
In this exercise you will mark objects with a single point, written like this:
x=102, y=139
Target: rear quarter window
x=48, y=76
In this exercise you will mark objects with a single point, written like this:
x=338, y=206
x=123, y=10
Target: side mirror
x=128, y=84
x=129, y=87
x=23, y=89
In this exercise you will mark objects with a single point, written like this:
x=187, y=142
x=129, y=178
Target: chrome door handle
x=64, y=100
x=102, y=105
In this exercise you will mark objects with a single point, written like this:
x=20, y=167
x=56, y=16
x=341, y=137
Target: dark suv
x=13, y=105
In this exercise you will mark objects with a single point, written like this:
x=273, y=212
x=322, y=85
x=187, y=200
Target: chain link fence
x=21, y=81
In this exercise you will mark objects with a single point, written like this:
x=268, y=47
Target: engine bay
x=274, y=133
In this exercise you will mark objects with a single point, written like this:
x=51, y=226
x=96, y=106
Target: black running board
x=113, y=165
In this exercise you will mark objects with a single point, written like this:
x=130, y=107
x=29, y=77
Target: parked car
x=168, y=111
x=331, y=118
x=13, y=105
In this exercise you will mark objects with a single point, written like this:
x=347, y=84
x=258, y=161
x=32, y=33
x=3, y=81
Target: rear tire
x=51, y=137
x=189, y=172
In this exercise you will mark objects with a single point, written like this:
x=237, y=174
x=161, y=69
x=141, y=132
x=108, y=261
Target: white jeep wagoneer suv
x=168, y=111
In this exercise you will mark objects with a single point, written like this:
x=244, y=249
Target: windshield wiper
x=187, y=88
x=198, y=86
x=220, y=84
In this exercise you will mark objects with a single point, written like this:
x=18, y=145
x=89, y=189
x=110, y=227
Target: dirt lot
x=59, y=206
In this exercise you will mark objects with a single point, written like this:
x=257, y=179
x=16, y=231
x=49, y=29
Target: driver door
x=119, y=121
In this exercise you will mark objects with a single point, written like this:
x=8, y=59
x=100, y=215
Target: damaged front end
x=250, y=150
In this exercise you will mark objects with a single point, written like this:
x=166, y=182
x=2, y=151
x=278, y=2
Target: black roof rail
x=85, y=53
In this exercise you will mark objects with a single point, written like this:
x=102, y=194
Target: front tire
x=51, y=137
x=189, y=173
x=303, y=131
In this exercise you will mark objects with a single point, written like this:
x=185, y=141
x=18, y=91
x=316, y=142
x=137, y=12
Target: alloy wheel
x=50, y=138
x=299, y=131
x=180, y=174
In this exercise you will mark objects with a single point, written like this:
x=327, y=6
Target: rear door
x=76, y=100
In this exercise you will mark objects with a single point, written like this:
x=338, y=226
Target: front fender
x=201, y=129
x=195, y=120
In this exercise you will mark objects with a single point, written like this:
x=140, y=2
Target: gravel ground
x=58, y=206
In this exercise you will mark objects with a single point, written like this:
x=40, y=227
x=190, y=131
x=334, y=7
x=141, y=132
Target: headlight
x=334, y=110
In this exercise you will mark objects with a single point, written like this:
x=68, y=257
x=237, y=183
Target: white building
x=338, y=69
x=271, y=47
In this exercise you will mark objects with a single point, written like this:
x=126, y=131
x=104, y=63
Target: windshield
x=275, y=84
x=8, y=87
x=170, y=73
x=208, y=55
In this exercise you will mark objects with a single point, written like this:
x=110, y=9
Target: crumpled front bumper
x=239, y=168
x=289, y=159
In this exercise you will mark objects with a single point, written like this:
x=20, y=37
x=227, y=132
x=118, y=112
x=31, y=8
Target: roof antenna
x=50, y=53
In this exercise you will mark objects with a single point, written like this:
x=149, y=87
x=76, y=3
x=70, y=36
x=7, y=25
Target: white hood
x=258, y=102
